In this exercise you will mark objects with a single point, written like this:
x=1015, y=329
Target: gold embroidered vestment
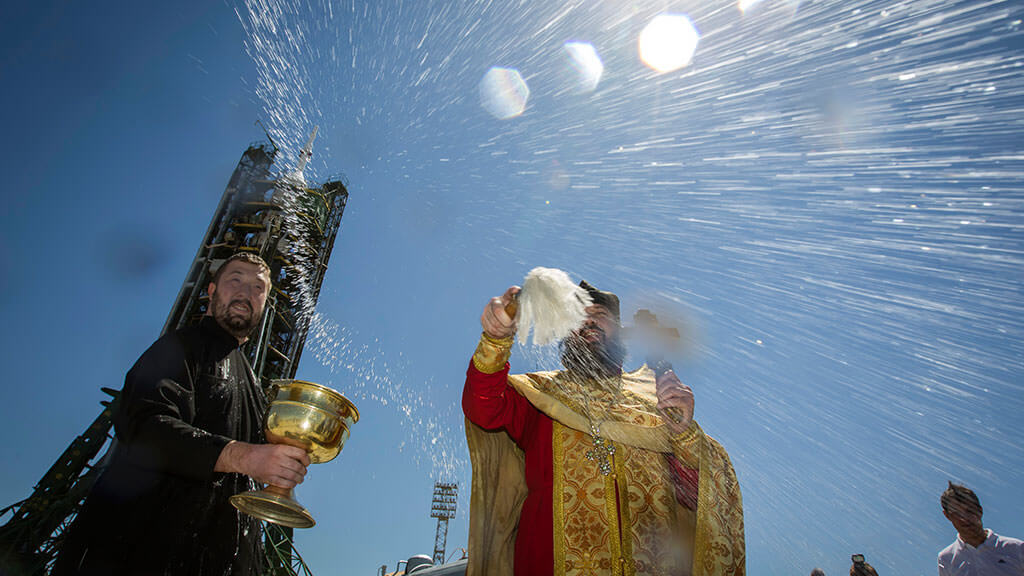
x=626, y=523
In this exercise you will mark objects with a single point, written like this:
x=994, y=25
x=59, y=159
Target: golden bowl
x=309, y=416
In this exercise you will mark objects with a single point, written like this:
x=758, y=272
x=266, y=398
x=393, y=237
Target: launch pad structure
x=292, y=226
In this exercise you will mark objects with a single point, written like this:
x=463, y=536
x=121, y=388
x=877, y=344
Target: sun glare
x=668, y=42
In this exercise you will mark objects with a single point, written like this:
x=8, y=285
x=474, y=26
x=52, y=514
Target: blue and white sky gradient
x=828, y=197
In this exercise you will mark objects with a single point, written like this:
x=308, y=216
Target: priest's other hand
x=495, y=320
x=675, y=402
x=276, y=464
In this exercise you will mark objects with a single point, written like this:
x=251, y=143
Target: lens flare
x=745, y=5
x=586, y=63
x=503, y=93
x=668, y=42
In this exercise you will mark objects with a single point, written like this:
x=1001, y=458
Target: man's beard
x=598, y=358
x=239, y=324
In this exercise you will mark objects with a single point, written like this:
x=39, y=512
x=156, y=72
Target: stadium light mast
x=446, y=497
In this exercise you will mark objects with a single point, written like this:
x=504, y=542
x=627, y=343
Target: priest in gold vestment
x=591, y=470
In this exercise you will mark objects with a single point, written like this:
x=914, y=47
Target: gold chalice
x=309, y=416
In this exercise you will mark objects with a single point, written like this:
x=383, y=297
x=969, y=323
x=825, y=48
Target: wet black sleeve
x=157, y=409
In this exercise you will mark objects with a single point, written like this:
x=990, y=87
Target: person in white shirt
x=976, y=551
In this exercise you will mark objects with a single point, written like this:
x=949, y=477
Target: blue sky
x=828, y=198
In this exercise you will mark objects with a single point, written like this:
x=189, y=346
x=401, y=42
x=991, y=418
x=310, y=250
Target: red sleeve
x=685, y=481
x=491, y=403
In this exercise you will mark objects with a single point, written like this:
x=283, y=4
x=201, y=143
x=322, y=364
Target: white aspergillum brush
x=551, y=304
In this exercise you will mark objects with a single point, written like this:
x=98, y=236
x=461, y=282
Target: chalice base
x=270, y=505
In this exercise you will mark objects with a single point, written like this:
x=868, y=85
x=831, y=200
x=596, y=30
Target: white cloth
x=996, y=556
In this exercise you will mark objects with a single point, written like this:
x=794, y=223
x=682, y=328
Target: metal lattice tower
x=292, y=226
x=446, y=497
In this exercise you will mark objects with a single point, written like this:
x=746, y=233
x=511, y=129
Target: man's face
x=598, y=329
x=964, y=516
x=238, y=297
x=595, y=343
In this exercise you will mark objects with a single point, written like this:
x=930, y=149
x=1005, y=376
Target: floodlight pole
x=446, y=496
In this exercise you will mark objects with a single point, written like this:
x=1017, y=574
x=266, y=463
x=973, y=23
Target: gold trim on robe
x=557, y=502
x=492, y=353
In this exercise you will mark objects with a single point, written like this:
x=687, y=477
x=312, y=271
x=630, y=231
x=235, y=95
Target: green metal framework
x=293, y=228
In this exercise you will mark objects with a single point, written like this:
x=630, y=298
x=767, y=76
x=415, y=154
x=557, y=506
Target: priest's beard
x=593, y=359
x=239, y=323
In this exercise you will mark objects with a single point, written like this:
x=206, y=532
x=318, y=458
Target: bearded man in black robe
x=189, y=430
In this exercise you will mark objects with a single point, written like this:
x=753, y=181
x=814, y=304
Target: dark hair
x=862, y=569
x=247, y=257
x=959, y=493
x=602, y=298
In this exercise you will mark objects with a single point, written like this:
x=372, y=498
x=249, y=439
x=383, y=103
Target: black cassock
x=159, y=508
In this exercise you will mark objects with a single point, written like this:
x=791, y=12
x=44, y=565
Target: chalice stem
x=274, y=504
x=288, y=493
